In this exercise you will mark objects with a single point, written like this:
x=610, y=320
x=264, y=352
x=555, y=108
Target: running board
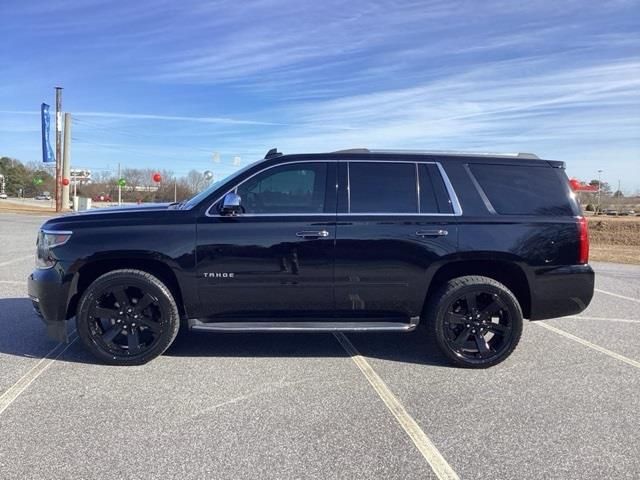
x=198, y=326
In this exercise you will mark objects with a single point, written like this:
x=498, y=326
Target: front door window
x=286, y=189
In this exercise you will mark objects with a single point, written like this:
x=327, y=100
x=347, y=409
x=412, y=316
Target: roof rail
x=273, y=153
x=443, y=152
x=353, y=150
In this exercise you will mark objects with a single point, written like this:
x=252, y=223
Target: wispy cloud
x=156, y=80
x=174, y=118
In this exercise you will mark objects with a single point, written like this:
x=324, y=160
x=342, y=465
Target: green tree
x=20, y=177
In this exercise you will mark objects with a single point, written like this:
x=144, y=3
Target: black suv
x=463, y=245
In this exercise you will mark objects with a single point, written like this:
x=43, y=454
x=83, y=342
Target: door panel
x=383, y=254
x=269, y=269
x=276, y=259
x=381, y=264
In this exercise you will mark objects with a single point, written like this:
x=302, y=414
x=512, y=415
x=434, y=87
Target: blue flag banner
x=47, y=152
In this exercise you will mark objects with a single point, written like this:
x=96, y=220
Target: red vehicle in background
x=102, y=197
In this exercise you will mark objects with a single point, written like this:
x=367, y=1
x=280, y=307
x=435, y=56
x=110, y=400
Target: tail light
x=583, y=241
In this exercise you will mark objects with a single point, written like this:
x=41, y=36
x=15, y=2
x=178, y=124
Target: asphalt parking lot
x=565, y=405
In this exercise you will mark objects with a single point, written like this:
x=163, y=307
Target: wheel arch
x=506, y=271
x=91, y=270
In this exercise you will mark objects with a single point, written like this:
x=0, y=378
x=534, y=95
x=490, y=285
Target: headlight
x=47, y=240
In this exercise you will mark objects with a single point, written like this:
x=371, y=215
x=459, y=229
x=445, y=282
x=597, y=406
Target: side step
x=198, y=326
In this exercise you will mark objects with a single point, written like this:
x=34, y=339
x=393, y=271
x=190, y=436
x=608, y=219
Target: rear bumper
x=49, y=292
x=561, y=291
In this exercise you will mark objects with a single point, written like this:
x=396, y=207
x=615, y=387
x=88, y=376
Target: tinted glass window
x=442, y=195
x=523, y=190
x=433, y=193
x=296, y=188
x=376, y=187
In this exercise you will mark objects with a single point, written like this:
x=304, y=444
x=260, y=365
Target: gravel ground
x=297, y=406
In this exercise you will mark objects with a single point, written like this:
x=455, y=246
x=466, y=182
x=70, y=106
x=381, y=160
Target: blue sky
x=165, y=84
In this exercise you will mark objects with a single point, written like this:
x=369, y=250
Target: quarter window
x=523, y=190
x=296, y=188
x=377, y=187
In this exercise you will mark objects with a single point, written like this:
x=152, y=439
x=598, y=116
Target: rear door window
x=383, y=187
x=523, y=190
x=433, y=192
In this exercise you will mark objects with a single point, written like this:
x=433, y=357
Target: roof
x=446, y=153
x=520, y=157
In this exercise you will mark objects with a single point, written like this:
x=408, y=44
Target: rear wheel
x=476, y=321
x=127, y=317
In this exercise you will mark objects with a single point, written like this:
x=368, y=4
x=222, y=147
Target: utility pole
x=58, y=148
x=175, y=190
x=119, y=187
x=66, y=160
x=599, y=191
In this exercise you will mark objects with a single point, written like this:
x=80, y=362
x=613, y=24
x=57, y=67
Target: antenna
x=272, y=153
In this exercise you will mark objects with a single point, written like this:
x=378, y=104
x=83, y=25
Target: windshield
x=199, y=197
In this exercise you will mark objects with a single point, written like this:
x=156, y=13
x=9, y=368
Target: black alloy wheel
x=127, y=317
x=476, y=321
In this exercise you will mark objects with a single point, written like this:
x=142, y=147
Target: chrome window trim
x=235, y=189
x=243, y=215
x=381, y=214
x=455, y=203
x=480, y=190
x=453, y=198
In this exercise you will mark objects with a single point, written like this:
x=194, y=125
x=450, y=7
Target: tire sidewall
x=168, y=326
x=450, y=296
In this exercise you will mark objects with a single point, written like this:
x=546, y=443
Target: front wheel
x=476, y=321
x=127, y=317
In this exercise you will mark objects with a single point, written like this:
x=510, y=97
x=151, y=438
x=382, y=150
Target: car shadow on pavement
x=411, y=347
x=23, y=333
x=25, y=336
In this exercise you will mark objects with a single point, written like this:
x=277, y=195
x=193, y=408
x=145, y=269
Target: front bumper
x=49, y=292
x=561, y=291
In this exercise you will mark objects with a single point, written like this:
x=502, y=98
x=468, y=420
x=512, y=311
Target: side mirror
x=231, y=204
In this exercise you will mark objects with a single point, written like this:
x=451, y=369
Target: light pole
x=58, y=189
x=599, y=191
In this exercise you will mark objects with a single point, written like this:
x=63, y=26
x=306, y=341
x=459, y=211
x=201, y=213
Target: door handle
x=313, y=234
x=432, y=233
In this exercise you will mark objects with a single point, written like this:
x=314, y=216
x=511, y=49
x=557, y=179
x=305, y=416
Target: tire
x=127, y=317
x=476, y=321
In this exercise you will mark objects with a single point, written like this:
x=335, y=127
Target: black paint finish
x=363, y=266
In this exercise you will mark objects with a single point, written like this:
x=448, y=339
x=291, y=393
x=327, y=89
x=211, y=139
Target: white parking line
x=623, y=320
x=16, y=260
x=586, y=343
x=8, y=397
x=13, y=282
x=617, y=295
x=426, y=447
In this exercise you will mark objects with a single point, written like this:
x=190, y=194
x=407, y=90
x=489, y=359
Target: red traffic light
x=65, y=181
x=157, y=177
